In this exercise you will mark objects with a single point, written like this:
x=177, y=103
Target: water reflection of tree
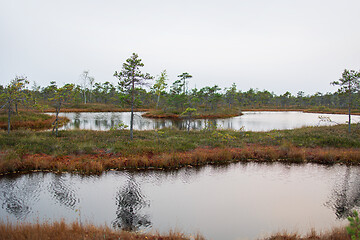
x=159, y=124
x=62, y=192
x=346, y=195
x=77, y=120
x=17, y=194
x=130, y=202
x=76, y=124
x=141, y=123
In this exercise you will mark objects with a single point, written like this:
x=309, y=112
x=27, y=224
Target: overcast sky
x=277, y=45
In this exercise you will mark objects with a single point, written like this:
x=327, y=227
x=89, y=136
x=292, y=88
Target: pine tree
x=349, y=83
x=131, y=77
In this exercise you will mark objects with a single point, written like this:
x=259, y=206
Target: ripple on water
x=222, y=202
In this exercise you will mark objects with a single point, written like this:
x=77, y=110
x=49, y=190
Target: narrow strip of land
x=97, y=151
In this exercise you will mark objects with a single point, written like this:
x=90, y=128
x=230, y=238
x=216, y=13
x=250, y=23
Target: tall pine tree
x=131, y=77
x=349, y=83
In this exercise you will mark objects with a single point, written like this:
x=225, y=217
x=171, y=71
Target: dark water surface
x=250, y=121
x=237, y=201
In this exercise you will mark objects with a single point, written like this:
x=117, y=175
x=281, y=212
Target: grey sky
x=277, y=45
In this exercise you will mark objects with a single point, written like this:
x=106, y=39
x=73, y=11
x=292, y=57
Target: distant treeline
x=178, y=97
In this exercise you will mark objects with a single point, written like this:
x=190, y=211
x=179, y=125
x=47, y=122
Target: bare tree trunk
x=349, y=128
x=56, y=121
x=84, y=96
x=189, y=118
x=158, y=99
x=349, y=109
x=9, y=115
x=132, y=109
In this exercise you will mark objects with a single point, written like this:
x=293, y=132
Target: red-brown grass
x=73, y=231
x=163, y=115
x=62, y=231
x=335, y=234
x=99, y=161
x=36, y=125
x=199, y=116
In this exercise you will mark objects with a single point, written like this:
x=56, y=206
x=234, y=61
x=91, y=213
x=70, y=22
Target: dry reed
x=335, y=234
x=62, y=231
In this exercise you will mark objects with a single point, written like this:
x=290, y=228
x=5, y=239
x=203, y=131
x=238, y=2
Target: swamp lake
x=232, y=201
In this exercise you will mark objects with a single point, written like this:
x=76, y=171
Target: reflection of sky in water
x=251, y=121
x=242, y=200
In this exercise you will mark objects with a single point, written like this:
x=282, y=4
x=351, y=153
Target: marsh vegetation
x=96, y=151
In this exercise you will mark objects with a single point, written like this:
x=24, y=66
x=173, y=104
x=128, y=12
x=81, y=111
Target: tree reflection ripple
x=130, y=201
x=346, y=193
x=18, y=194
x=62, y=192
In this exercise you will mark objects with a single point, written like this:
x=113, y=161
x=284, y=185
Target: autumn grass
x=62, y=231
x=201, y=114
x=96, y=151
x=334, y=234
x=29, y=120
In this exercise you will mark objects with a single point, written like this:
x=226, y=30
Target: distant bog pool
x=249, y=121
